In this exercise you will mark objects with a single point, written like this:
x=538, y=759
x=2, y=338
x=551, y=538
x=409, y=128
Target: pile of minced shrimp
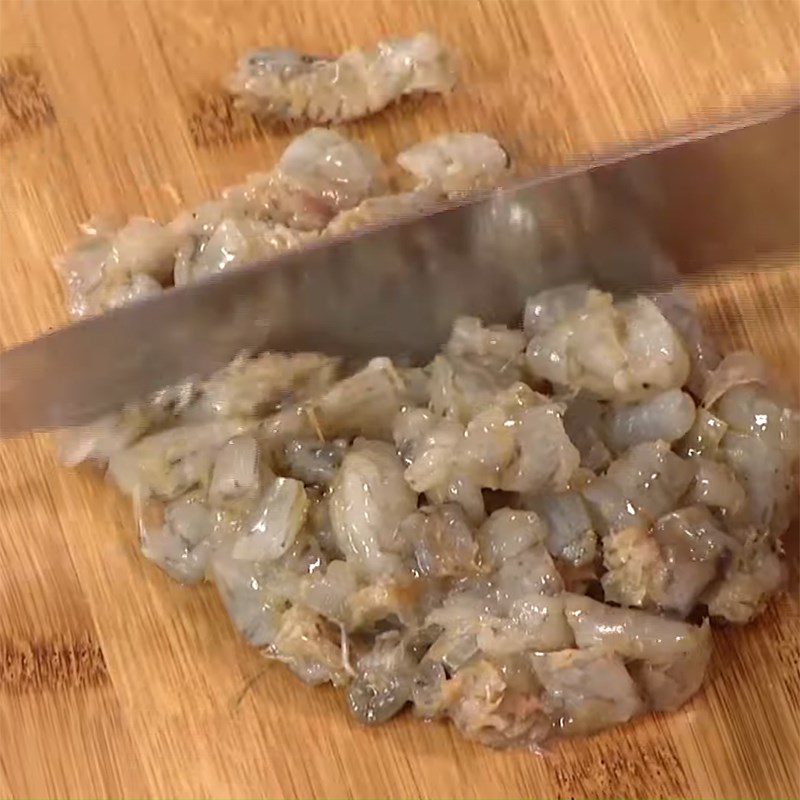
x=528, y=535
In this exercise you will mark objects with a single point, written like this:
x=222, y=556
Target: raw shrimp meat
x=523, y=535
x=429, y=543
x=285, y=85
x=456, y=162
x=323, y=185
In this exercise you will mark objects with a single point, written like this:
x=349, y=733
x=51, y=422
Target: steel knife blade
x=643, y=218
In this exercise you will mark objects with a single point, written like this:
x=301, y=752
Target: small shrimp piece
x=485, y=707
x=306, y=643
x=624, y=351
x=586, y=690
x=369, y=499
x=236, y=242
x=109, y=267
x=284, y=85
x=320, y=174
x=456, y=162
x=378, y=210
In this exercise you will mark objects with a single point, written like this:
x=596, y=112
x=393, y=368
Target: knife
x=641, y=219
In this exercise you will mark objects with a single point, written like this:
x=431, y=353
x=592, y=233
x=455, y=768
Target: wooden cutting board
x=115, y=681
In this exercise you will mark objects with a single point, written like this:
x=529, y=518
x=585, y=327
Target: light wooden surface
x=114, y=681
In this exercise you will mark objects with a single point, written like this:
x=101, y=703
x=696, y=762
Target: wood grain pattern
x=116, y=682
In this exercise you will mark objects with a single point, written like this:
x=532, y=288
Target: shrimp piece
x=625, y=351
x=368, y=501
x=586, y=690
x=319, y=175
x=456, y=162
x=109, y=267
x=285, y=85
x=484, y=705
x=377, y=210
x=518, y=444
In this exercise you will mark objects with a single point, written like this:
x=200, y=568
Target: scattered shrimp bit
x=282, y=84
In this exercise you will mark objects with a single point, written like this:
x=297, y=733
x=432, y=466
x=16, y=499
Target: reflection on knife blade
x=642, y=219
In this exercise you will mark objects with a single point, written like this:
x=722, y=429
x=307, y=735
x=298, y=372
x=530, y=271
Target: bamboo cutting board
x=117, y=682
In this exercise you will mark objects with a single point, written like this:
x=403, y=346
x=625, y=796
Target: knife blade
x=639, y=219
